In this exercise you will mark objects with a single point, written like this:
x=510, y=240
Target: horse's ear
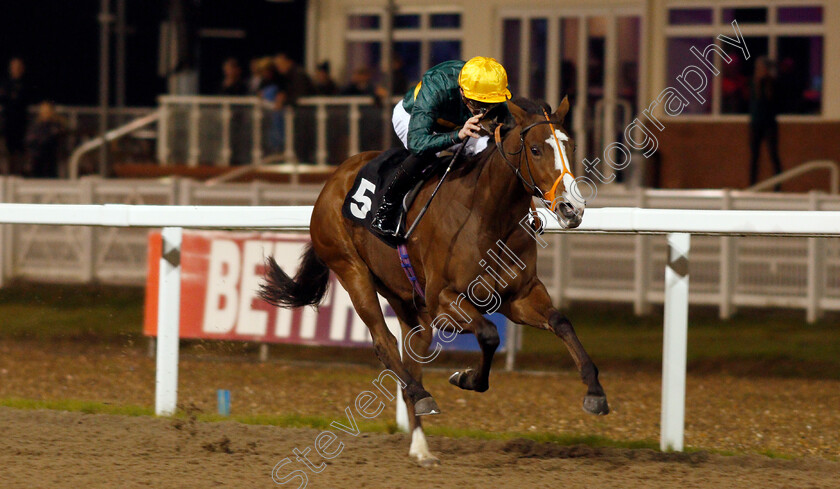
x=562, y=109
x=517, y=112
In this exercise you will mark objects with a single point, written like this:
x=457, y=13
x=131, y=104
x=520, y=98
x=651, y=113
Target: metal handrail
x=292, y=168
x=109, y=136
x=831, y=166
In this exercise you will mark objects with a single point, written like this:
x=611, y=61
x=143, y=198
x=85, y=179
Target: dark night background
x=59, y=42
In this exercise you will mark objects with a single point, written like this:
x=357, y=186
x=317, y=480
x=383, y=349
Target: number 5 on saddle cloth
x=367, y=191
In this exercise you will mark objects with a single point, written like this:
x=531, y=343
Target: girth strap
x=405, y=262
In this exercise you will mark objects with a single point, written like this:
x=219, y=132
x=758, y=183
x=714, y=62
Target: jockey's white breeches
x=400, y=119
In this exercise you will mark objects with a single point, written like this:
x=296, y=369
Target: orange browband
x=552, y=194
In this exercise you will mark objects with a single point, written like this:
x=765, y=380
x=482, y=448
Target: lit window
x=445, y=21
x=407, y=21
x=690, y=16
x=363, y=22
x=772, y=32
x=678, y=54
x=751, y=15
x=423, y=39
x=800, y=15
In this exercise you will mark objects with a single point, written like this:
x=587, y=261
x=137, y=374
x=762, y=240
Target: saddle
x=368, y=188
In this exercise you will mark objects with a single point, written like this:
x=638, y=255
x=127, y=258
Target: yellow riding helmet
x=485, y=80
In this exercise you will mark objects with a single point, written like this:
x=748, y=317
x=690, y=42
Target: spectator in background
x=789, y=82
x=323, y=83
x=294, y=83
x=255, y=80
x=269, y=91
x=399, y=80
x=44, y=141
x=361, y=83
x=764, y=105
x=15, y=97
x=232, y=83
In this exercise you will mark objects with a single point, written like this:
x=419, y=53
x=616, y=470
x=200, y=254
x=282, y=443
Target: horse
x=480, y=208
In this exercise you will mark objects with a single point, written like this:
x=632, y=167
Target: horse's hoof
x=596, y=405
x=427, y=462
x=465, y=380
x=425, y=407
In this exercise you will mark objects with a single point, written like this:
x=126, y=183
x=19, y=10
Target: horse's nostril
x=569, y=215
x=567, y=210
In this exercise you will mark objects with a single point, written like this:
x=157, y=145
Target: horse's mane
x=531, y=106
x=534, y=107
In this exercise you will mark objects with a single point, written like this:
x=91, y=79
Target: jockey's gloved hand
x=536, y=223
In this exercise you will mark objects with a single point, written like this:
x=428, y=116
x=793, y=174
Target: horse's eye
x=535, y=150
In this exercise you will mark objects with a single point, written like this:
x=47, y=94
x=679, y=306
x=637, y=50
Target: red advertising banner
x=220, y=276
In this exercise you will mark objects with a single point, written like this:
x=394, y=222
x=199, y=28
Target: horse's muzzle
x=568, y=215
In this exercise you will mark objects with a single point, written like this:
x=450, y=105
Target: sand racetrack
x=62, y=449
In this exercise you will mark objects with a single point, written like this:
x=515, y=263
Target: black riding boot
x=387, y=219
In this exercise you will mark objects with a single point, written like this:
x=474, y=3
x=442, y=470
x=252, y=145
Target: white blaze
x=571, y=192
x=561, y=160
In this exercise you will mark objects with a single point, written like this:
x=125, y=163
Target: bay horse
x=479, y=209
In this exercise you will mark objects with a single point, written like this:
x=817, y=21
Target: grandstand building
x=615, y=57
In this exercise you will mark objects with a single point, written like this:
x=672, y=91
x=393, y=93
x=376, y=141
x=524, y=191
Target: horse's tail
x=307, y=288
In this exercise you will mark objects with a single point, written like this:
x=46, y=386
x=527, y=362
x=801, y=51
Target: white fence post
x=169, y=305
x=163, y=133
x=226, y=151
x=353, y=138
x=641, y=272
x=7, y=260
x=512, y=332
x=86, y=196
x=289, y=138
x=816, y=270
x=321, y=135
x=3, y=235
x=561, y=270
x=728, y=267
x=257, y=134
x=193, y=131
x=675, y=343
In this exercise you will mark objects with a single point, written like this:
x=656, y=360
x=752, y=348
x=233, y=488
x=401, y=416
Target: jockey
x=441, y=112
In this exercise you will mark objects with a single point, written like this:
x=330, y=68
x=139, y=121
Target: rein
x=531, y=185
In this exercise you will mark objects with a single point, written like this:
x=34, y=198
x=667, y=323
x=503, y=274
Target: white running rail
x=677, y=224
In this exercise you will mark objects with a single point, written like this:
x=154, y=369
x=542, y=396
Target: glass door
x=591, y=56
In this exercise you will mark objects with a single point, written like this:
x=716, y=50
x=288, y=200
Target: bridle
x=531, y=185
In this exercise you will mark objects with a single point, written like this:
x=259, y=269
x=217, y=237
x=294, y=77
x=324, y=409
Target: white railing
x=677, y=224
x=112, y=135
x=833, y=171
x=732, y=271
x=227, y=130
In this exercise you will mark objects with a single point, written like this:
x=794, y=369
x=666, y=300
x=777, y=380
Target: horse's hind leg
x=359, y=285
x=534, y=308
x=478, y=378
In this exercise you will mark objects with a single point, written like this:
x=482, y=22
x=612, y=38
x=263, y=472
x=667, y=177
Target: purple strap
x=405, y=262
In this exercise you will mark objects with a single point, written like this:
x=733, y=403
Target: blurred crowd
x=279, y=79
x=33, y=148
x=280, y=82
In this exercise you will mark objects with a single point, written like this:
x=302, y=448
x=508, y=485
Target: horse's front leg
x=461, y=315
x=532, y=306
